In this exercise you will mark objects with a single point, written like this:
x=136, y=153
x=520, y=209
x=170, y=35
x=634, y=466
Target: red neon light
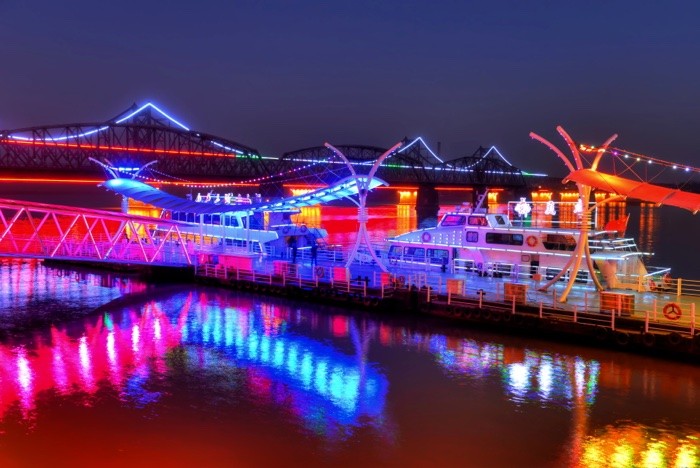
x=54, y=144
x=56, y=181
x=99, y=181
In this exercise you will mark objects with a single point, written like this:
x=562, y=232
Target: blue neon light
x=424, y=144
x=153, y=106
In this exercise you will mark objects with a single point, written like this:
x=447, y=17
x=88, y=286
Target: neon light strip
x=123, y=119
x=499, y=153
x=424, y=144
x=112, y=148
x=147, y=105
x=404, y=166
x=92, y=132
x=58, y=181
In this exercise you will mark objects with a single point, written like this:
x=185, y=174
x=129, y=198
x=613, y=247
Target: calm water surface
x=206, y=377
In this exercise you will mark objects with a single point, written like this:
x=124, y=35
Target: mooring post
x=692, y=319
x=612, y=319
x=646, y=322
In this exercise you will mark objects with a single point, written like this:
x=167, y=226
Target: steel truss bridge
x=145, y=133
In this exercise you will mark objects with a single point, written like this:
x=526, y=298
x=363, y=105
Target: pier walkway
x=667, y=315
x=43, y=231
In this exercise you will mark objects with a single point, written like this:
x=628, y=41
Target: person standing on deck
x=293, y=241
x=314, y=253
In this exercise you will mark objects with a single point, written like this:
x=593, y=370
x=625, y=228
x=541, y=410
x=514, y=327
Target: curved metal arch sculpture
x=133, y=138
x=582, y=250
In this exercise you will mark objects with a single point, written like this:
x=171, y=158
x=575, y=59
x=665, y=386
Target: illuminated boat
x=538, y=247
x=263, y=226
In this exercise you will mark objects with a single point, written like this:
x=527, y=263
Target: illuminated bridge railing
x=37, y=230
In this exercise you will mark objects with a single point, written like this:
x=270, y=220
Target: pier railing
x=617, y=311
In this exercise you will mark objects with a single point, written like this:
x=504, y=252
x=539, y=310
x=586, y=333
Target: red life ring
x=652, y=285
x=426, y=237
x=672, y=311
x=319, y=271
x=303, y=229
x=531, y=241
x=285, y=230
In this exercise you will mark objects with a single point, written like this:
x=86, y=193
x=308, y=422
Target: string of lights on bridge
x=638, y=157
x=191, y=184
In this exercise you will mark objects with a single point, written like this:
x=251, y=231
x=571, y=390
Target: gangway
x=45, y=231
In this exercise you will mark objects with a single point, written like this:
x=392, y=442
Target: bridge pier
x=427, y=206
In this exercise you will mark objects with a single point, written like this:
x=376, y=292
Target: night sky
x=280, y=76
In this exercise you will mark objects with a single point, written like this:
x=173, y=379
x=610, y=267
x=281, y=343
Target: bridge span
x=146, y=133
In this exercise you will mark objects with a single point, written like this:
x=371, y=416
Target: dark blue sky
x=280, y=76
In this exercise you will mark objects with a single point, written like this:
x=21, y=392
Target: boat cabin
x=474, y=219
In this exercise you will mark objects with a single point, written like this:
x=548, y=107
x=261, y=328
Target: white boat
x=257, y=225
x=269, y=232
x=493, y=244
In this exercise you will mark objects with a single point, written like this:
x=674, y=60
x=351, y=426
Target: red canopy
x=636, y=189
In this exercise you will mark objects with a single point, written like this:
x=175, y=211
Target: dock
x=660, y=322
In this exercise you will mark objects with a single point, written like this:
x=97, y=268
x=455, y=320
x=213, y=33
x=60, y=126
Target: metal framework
x=144, y=134
x=38, y=230
x=135, y=137
x=413, y=163
x=583, y=250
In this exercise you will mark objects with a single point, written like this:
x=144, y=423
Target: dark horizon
x=280, y=77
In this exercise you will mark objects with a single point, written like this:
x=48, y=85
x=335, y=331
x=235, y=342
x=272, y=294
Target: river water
x=189, y=376
x=99, y=369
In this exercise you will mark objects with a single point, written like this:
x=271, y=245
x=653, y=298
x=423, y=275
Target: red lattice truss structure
x=37, y=230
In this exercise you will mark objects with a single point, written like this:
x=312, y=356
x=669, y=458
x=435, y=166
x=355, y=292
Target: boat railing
x=619, y=244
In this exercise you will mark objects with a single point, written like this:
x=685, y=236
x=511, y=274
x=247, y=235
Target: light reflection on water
x=346, y=379
x=298, y=383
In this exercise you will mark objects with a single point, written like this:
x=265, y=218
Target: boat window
x=438, y=256
x=453, y=220
x=501, y=220
x=559, y=242
x=416, y=253
x=207, y=219
x=197, y=218
x=216, y=219
x=395, y=251
x=472, y=236
x=190, y=218
x=504, y=238
x=477, y=221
